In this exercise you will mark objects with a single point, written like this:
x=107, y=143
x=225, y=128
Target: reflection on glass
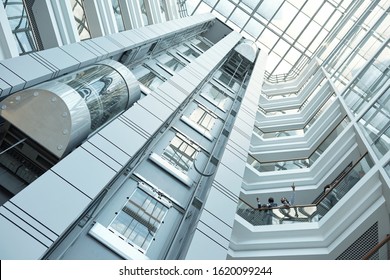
x=190, y=54
x=342, y=185
x=303, y=25
x=180, y=153
x=295, y=132
x=164, y=9
x=277, y=215
x=171, y=62
x=387, y=168
x=370, y=82
x=103, y=89
x=144, y=12
x=203, y=45
x=358, y=47
x=118, y=14
x=216, y=96
x=139, y=219
x=81, y=19
x=376, y=124
x=310, y=212
x=151, y=80
x=20, y=25
x=228, y=80
x=299, y=163
x=203, y=118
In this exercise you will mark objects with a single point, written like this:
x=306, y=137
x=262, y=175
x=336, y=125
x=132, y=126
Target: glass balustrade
x=299, y=163
x=277, y=215
x=311, y=212
x=375, y=124
x=20, y=24
x=317, y=91
x=295, y=132
x=339, y=188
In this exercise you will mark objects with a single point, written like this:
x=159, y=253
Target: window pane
x=81, y=19
x=180, y=154
x=139, y=219
x=118, y=14
x=216, y=96
x=376, y=124
x=203, y=118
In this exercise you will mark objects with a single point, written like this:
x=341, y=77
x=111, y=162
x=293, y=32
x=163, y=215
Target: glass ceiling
x=292, y=31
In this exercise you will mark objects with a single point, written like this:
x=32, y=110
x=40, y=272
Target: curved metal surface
x=60, y=114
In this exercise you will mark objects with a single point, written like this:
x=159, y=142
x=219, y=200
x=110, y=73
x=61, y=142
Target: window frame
x=140, y=225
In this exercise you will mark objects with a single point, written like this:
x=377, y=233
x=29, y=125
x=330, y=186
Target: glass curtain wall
x=81, y=19
x=293, y=32
x=20, y=25
x=118, y=15
x=376, y=124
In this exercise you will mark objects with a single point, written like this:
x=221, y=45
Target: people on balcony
x=290, y=202
x=330, y=198
x=268, y=216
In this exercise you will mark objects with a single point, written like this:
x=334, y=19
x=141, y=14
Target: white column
x=154, y=11
x=101, y=18
x=8, y=45
x=172, y=9
x=55, y=22
x=131, y=14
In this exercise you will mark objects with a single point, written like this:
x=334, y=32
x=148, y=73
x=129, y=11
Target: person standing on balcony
x=330, y=198
x=258, y=203
x=287, y=203
x=268, y=216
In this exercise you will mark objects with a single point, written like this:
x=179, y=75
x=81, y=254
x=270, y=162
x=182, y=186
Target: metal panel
x=11, y=81
x=157, y=107
x=121, y=40
x=235, y=161
x=17, y=244
x=124, y=137
x=140, y=116
x=26, y=218
x=208, y=250
x=223, y=196
x=19, y=65
x=95, y=49
x=80, y=53
x=91, y=176
x=107, y=148
x=103, y=156
x=23, y=221
x=136, y=37
x=52, y=201
x=215, y=229
x=59, y=59
x=173, y=93
x=4, y=88
x=107, y=45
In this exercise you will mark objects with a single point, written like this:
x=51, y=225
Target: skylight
x=292, y=31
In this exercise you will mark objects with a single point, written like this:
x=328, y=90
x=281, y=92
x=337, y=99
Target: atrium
x=153, y=129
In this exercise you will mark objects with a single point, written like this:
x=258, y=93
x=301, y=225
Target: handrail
x=318, y=200
x=376, y=248
x=301, y=106
x=346, y=119
x=336, y=182
x=306, y=124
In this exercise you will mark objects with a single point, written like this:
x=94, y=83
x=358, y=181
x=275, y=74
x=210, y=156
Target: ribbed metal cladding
x=358, y=249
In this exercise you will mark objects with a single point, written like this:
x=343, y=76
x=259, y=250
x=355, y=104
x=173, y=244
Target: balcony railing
x=294, y=132
x=299, y=163
x=313, y=212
